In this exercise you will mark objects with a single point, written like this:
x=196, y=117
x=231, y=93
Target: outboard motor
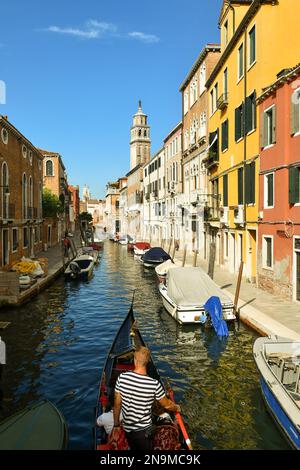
x=75, y=268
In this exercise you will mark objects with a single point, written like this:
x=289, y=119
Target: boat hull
x=189, y=314
x=280, y=417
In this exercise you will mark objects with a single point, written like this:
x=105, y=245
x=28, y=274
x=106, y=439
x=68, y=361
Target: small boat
x=37, y=427
x=80, y=268
x=154, y=257
x=140, y=248
x=123, y=241
x=187, y=290
x=163, y=269
x=278, y=364
x=120, y=359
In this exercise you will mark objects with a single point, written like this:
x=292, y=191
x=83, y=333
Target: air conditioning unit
x=224, y=215
x=239, y=216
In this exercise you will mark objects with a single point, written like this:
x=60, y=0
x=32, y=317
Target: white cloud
x=93, y=30
x=147, y=38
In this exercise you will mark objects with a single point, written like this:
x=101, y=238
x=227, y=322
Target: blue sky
x=74, y=72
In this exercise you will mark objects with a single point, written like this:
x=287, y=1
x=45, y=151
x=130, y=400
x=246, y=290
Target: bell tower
x=140, y=142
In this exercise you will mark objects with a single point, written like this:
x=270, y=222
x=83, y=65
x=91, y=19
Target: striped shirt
x=138, y=393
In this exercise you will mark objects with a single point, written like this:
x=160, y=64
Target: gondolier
x=135, y=393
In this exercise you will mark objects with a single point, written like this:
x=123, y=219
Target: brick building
x=20, y=195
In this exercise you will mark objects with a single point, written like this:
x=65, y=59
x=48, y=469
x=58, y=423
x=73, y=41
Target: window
x=268, y=252
x=240, y=186
x=214, y=147
x=25, y=237
x=5, y=191
x=294, y=185
x=49, y=168
x=252, y=46
x=239, y=122
x=226, y=33
x=146, y=172
x=295, y=113
x=186, y=139
x=24, y=151
x=202, y=78
x=269, y=127
x=225, y=190
x=251, y=112
x=24, y=196
x=186, y=102
x=241, y=61
x=202, y=129
x=225, y=132
x=15, y=243
x=193, y=91
x=225, y=82
x=214, y=98
x=250, y=183
x=4, y=135
x=269, y=190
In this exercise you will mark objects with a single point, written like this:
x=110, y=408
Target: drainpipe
x=245, y=135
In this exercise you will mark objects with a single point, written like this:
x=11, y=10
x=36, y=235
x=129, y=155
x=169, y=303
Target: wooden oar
x=180, y=420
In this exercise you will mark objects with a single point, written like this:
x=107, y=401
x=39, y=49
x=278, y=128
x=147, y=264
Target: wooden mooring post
x=238, y=289
x=212, y=257
x=170, y=244
x=195, y=258
x=184, y=256
x=173, y=252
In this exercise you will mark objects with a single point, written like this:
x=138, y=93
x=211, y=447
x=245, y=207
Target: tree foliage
x=52, y=205
x=86, y=216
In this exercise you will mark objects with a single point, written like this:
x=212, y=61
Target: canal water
x=57, y=345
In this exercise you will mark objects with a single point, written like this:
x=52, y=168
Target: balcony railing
x=9, y=211
x=213, y=159
x=32, y=213
x=222, y=101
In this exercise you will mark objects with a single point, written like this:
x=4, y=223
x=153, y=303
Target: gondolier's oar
x=180, y=420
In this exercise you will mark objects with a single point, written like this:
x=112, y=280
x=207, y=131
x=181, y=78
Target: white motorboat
x=81, y=267
x=163, y=269
x=187, y=290
x=140, y=248
x=278, y=364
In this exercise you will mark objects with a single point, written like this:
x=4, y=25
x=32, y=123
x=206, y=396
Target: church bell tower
x=140, y=142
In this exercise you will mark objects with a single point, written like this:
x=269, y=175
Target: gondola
x=120, y=359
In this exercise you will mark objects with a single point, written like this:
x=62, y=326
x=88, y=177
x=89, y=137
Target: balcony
x=32, y=213
x=139, y=198
x=155, y=193
x=9, y=211
x=212, y=160
x=222, y=101
x=211, y=214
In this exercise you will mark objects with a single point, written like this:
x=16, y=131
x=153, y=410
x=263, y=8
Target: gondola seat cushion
x=166, y=438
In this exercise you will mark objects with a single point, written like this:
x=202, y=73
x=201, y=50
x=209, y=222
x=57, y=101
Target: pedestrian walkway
x=264, y=312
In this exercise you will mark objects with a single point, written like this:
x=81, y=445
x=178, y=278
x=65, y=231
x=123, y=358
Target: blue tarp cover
x=156, y=254
x=214, y=308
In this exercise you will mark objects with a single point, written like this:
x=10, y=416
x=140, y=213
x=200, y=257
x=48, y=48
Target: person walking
x=67, y=245
x=135, y=393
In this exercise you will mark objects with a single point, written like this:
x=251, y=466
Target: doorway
x=5, y=248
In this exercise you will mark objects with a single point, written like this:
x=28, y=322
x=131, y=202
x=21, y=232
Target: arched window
x=30, y=193
x=49, y=168
x=145, y=133
x=24, y=196
x=5, y=191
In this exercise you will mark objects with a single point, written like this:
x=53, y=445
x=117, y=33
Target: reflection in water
x=57, y=344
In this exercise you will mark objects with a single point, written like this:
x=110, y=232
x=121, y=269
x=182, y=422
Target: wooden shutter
x=225, y=190
x=252, y=183
x=274, y=125
x=254, y=109
x=264, y=124
x=237, y=124
x=270, y=180
x=247, y=184
x=295, y=113
x=225, y=135
x=240, y=186
x=293, y=185
x=248, y=110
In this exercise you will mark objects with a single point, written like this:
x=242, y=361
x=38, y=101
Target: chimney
x=5, y=117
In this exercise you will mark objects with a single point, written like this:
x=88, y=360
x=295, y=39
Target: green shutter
x=225, y=190
x=252, y=182
x=225, y=135
x=270, y=180
x=243, y=119
x=274, y=125
x=293, y=185
x=254, y=109
x=295, y=113
x=247, y=185
x=237, y=124
x=240, y=186
x=248, y=109
x=264, y=129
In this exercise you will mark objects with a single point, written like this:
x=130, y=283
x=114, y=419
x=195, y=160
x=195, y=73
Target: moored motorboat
x=187, y=290
x=80, y=268
x=120, y=359
x=37, y=427
x=163, y=269
x=140, y=248
x=154, y=257
x=123, y=241
x=278, y=364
